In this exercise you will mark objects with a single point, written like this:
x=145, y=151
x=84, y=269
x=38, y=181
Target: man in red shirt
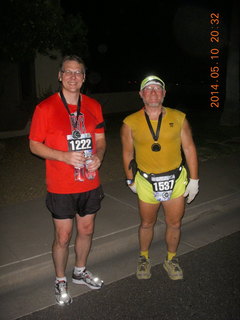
x=67, y=130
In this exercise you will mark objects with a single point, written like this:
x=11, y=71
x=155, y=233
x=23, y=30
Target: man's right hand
x=133, y=187
x=76, y=159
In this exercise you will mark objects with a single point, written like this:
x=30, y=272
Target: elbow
x=32, y=146
x=128, y=156
x=189, y=149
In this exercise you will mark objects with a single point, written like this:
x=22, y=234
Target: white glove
x=133, y=187
x=192, y=189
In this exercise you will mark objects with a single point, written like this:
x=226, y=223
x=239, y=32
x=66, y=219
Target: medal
x=76, y=134
x=156, y=147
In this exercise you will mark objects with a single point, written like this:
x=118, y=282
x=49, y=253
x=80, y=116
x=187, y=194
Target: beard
x=154, y=104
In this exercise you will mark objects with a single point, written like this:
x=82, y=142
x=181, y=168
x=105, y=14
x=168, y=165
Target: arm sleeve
x=100, y=124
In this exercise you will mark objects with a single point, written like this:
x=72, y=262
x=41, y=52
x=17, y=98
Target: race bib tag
x=163, y=187
x=83, y=143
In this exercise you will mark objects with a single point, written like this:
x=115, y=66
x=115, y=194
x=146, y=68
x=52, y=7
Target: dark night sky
x=129, y=39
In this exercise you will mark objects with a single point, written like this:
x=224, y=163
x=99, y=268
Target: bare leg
x=60, y=248
x=83, y=242
x=174, y=210
x=148, y=215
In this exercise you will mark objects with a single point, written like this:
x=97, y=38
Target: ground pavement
x=26, y=236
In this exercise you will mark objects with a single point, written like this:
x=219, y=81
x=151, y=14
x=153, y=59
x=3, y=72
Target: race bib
x=163, y=187
x=83, y=143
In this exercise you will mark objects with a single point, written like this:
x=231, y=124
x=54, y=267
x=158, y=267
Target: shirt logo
x=171, y=124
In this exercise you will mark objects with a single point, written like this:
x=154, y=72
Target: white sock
x=61, y=279
x=78, y=270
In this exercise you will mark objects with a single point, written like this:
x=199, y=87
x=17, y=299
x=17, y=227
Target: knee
x=86, y=229
x=173, y=223
x=147, y=225
x=62, y=239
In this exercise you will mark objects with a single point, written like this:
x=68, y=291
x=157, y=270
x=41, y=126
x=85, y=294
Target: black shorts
x=66, y=206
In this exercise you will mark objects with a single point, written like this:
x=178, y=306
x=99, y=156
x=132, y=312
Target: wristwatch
x=129, y=181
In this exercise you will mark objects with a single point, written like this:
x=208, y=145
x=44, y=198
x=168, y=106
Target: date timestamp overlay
x=214, y=59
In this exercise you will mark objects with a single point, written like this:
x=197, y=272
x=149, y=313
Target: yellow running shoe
x=173, y=269
x=143, y=268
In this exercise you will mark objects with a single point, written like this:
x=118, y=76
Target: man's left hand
x=192, y=189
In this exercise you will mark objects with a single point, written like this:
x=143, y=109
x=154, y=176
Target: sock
x=78, y=270
x=171, y=255
x=144, y=254
x=61, y=279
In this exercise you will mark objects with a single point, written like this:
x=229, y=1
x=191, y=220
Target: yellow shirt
x=169, y=157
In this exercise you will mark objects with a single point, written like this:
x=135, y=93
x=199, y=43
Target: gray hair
x=73, y=57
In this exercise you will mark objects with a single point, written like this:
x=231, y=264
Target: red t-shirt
x=51, y=125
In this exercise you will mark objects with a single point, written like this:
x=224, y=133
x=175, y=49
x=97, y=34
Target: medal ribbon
x=154, y=135
x=74, y=123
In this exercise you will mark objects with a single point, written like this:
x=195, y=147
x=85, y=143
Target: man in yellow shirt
x=153, y=139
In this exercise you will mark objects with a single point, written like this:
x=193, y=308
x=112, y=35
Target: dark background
x=130, y=39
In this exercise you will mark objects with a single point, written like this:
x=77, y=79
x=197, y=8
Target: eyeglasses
x=69, y=73
x=155, y=88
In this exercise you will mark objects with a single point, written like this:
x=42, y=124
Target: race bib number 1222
x=81, y=144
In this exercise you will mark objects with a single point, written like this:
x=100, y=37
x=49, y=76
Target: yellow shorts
x=145, y=190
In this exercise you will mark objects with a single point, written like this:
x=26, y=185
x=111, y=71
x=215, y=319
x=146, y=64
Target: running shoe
x=143, y=268
x=173, y=269
x=61, y=293
x=88, y=279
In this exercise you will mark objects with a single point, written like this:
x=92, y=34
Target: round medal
x=156, y=147
x=76, y=134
